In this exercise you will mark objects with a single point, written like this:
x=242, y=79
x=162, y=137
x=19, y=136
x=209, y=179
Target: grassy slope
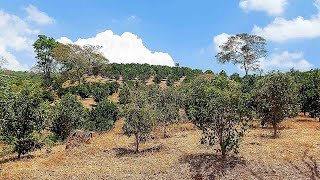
x=293, y=155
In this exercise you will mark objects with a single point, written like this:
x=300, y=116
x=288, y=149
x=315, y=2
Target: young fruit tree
x=22, y=118
x=139, y=116
x=244, y=50
x=103, y=116
x=167, y=107
x=70, y=115
x=276, y=98
x=218, y=108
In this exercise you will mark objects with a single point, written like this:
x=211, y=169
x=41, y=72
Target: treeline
x=144, y=72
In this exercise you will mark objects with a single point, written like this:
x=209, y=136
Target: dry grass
x=294, y=155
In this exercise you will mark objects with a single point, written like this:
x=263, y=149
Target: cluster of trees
x=147, y=107
x=98, y=91
x=145, y=71
x=27, y=115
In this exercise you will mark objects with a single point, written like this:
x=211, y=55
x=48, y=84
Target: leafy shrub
x=70, y=115
x=103, y=116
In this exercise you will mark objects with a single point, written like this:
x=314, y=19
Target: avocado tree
x=103, y=116
x=22, y=117
x=244, y=50
x=70, y=115
x=139, y=116
x=168, y=108
x=276, y=98
x=217, y=107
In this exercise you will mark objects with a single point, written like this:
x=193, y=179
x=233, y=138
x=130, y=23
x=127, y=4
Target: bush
x=48, y=96
x=70, y=115
x=83, y=91
x=103, y=116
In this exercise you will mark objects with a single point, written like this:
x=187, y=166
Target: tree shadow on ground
x=120, y=152
x=312, y=168
x=13, y=159
x=210, y=166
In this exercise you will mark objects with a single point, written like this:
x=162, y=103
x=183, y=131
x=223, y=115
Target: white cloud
x=220, y=40
x=125, y=48
x=281, y=29
x=285, y=61
x=16, y=36
x=271, y=7
x=35, y=15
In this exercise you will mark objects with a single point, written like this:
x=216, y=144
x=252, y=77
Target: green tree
x=103, y=116
x=139, y=115
x=43, y=47
x=168, y=108
x=309, y=91
x=243, y=49
x=276, y=97
x=138, y=122
x=223, y=73
x=22, y=116
x=236, y=77
x=70, y=115
x=218, y=108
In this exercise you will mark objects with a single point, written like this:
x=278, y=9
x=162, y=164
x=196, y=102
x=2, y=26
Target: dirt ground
x=294, y=155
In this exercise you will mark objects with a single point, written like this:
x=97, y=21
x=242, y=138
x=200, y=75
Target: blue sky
x=163, y=32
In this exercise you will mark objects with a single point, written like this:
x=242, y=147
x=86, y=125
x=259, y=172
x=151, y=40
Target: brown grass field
x=294, y=155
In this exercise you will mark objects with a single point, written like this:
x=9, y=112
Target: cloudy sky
x=165, y=32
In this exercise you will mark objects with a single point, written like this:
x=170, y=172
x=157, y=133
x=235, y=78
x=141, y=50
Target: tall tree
x=77, y=61
x=43, y=47
x=276, y=96
x=243, y=49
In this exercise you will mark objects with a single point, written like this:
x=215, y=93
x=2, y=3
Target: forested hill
x=145, y=71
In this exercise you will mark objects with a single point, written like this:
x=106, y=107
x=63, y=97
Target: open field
x=295, y=155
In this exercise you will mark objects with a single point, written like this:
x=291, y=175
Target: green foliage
x=217, y=107
x=223, y=74
x=309, y=91
x=43, y=47
x=70, y=115
x=167, y=107
x=276, y=97
x=103, y=116
x=22, y=116
x=139, y=115
x=236, y=77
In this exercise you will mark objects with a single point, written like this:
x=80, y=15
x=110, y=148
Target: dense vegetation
x=35, y=104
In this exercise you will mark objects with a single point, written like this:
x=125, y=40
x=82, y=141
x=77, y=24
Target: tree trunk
x=137, y=142
x=275, y=128
x=165, y=131
x=19, y=155
x=222, y=146
x=79, y=78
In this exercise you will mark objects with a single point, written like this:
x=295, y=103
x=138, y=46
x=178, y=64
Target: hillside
x=110, y=156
